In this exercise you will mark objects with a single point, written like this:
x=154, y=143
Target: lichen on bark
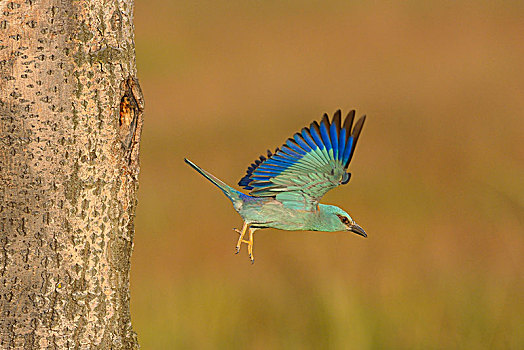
x=67, y=182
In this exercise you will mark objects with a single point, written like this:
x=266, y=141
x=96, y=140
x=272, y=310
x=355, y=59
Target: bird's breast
x=268, y=212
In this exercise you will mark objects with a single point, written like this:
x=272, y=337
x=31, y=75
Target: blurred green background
x=438, y=175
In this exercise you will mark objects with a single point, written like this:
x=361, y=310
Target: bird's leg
x=240, y=239
x=250, y=244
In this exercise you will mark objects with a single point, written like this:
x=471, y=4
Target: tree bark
x=70, y=122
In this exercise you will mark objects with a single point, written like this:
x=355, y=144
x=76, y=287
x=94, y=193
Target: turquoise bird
x=287, y=185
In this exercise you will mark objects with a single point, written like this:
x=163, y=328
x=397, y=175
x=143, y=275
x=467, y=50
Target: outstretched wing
x=308, y=165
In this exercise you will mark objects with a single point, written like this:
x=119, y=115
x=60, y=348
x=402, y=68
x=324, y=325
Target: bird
x=286, y=185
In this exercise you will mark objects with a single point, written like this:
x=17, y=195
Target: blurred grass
x=437, y=177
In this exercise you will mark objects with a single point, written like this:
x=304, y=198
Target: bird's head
x=335, y=219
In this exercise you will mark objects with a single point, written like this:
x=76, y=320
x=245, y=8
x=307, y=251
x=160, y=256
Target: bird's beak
x=357, y=229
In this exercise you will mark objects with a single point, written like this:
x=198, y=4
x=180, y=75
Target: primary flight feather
x=287, y=185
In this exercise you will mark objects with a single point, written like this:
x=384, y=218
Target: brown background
x=437, y=176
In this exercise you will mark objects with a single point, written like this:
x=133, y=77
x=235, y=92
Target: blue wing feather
x=295, y=147
x=283, y=159
x=325, y=134
x=261, y=184
x=347, y=150
x=317, y=136
x=272, y=169
x=315, y=150
x=289, y=151
x=334, y=139
x=315, y=133
x=341, y=145
x=335, y=135
x=309, y=140
x=300, y=141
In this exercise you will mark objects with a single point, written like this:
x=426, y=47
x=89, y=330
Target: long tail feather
x=230, y=192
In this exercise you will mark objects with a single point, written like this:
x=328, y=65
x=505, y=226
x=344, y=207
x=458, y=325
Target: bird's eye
x=344, y=219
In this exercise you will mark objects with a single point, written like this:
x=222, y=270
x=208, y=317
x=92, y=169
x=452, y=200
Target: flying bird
x=286, y=185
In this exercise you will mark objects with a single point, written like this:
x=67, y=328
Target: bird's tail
x=230, y=192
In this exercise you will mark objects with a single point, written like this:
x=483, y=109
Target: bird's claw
x=241, y=233
x=248, y=242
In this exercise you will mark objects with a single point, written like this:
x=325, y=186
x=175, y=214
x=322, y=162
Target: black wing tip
x=358, y=127
x=337, y=117
x=325, y=120
x=348, y=121
x=355, y=133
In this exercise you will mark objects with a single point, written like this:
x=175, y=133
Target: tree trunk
x=71, y=115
